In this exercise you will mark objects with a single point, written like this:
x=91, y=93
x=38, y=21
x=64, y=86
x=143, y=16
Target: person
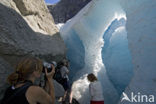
x=65, y=79
x=23, y=90
x=72, y=100
x=95, y=90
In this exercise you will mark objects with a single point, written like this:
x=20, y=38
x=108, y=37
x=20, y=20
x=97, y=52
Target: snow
x=59, y=25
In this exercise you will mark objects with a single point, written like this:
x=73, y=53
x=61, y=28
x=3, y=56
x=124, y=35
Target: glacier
x=116, y=55
x=114, y=39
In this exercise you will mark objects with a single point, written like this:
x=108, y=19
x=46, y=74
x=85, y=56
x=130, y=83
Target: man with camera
x=65, y=79
x=23, y=90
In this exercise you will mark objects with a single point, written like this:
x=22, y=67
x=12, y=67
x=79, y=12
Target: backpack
x=57, y=75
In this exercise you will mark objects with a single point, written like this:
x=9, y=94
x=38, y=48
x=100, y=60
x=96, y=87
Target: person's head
x=68, y=63
x=25, y=69
x=65, y=62
x=91, y=77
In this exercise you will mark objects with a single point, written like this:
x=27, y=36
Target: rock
x=59, y=90
x=34, y=34
x=3, y=74
x=37, y=16
x=27, y=28
x=66, y=9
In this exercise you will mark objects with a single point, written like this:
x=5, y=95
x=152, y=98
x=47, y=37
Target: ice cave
x=111, y=38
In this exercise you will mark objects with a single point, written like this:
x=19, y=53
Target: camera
x=48, y=66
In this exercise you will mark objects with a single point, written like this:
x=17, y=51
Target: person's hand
x=50, y=74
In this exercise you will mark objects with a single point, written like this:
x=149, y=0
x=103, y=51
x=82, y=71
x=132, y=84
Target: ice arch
x=92, y=22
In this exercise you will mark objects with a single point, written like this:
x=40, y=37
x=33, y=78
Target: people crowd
x=23, y=89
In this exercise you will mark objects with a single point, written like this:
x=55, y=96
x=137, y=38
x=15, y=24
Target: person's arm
x=91, y=90
x=50, y=84
x=36, y=94
x=50, y=89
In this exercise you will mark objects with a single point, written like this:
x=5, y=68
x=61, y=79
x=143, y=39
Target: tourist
x=23, y=90
x=65, y=79
x=95, y=90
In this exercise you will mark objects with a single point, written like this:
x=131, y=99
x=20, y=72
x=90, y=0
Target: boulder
x=25, y=31
x=59, y=90
x=5, y=69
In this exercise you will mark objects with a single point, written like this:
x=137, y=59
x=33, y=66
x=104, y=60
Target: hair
x=65, y=62
x=91, y=77
x=24, y=69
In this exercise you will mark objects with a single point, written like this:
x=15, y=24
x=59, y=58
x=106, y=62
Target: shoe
x=63, y=102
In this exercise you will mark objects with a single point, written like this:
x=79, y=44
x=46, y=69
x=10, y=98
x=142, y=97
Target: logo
x=137, y=98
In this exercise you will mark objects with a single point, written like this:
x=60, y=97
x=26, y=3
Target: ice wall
x=141, y=31
x=116, y=55
x=76, y=51
x=91, y=24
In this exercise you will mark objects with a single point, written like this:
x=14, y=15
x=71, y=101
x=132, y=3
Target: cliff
x=66, y=9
